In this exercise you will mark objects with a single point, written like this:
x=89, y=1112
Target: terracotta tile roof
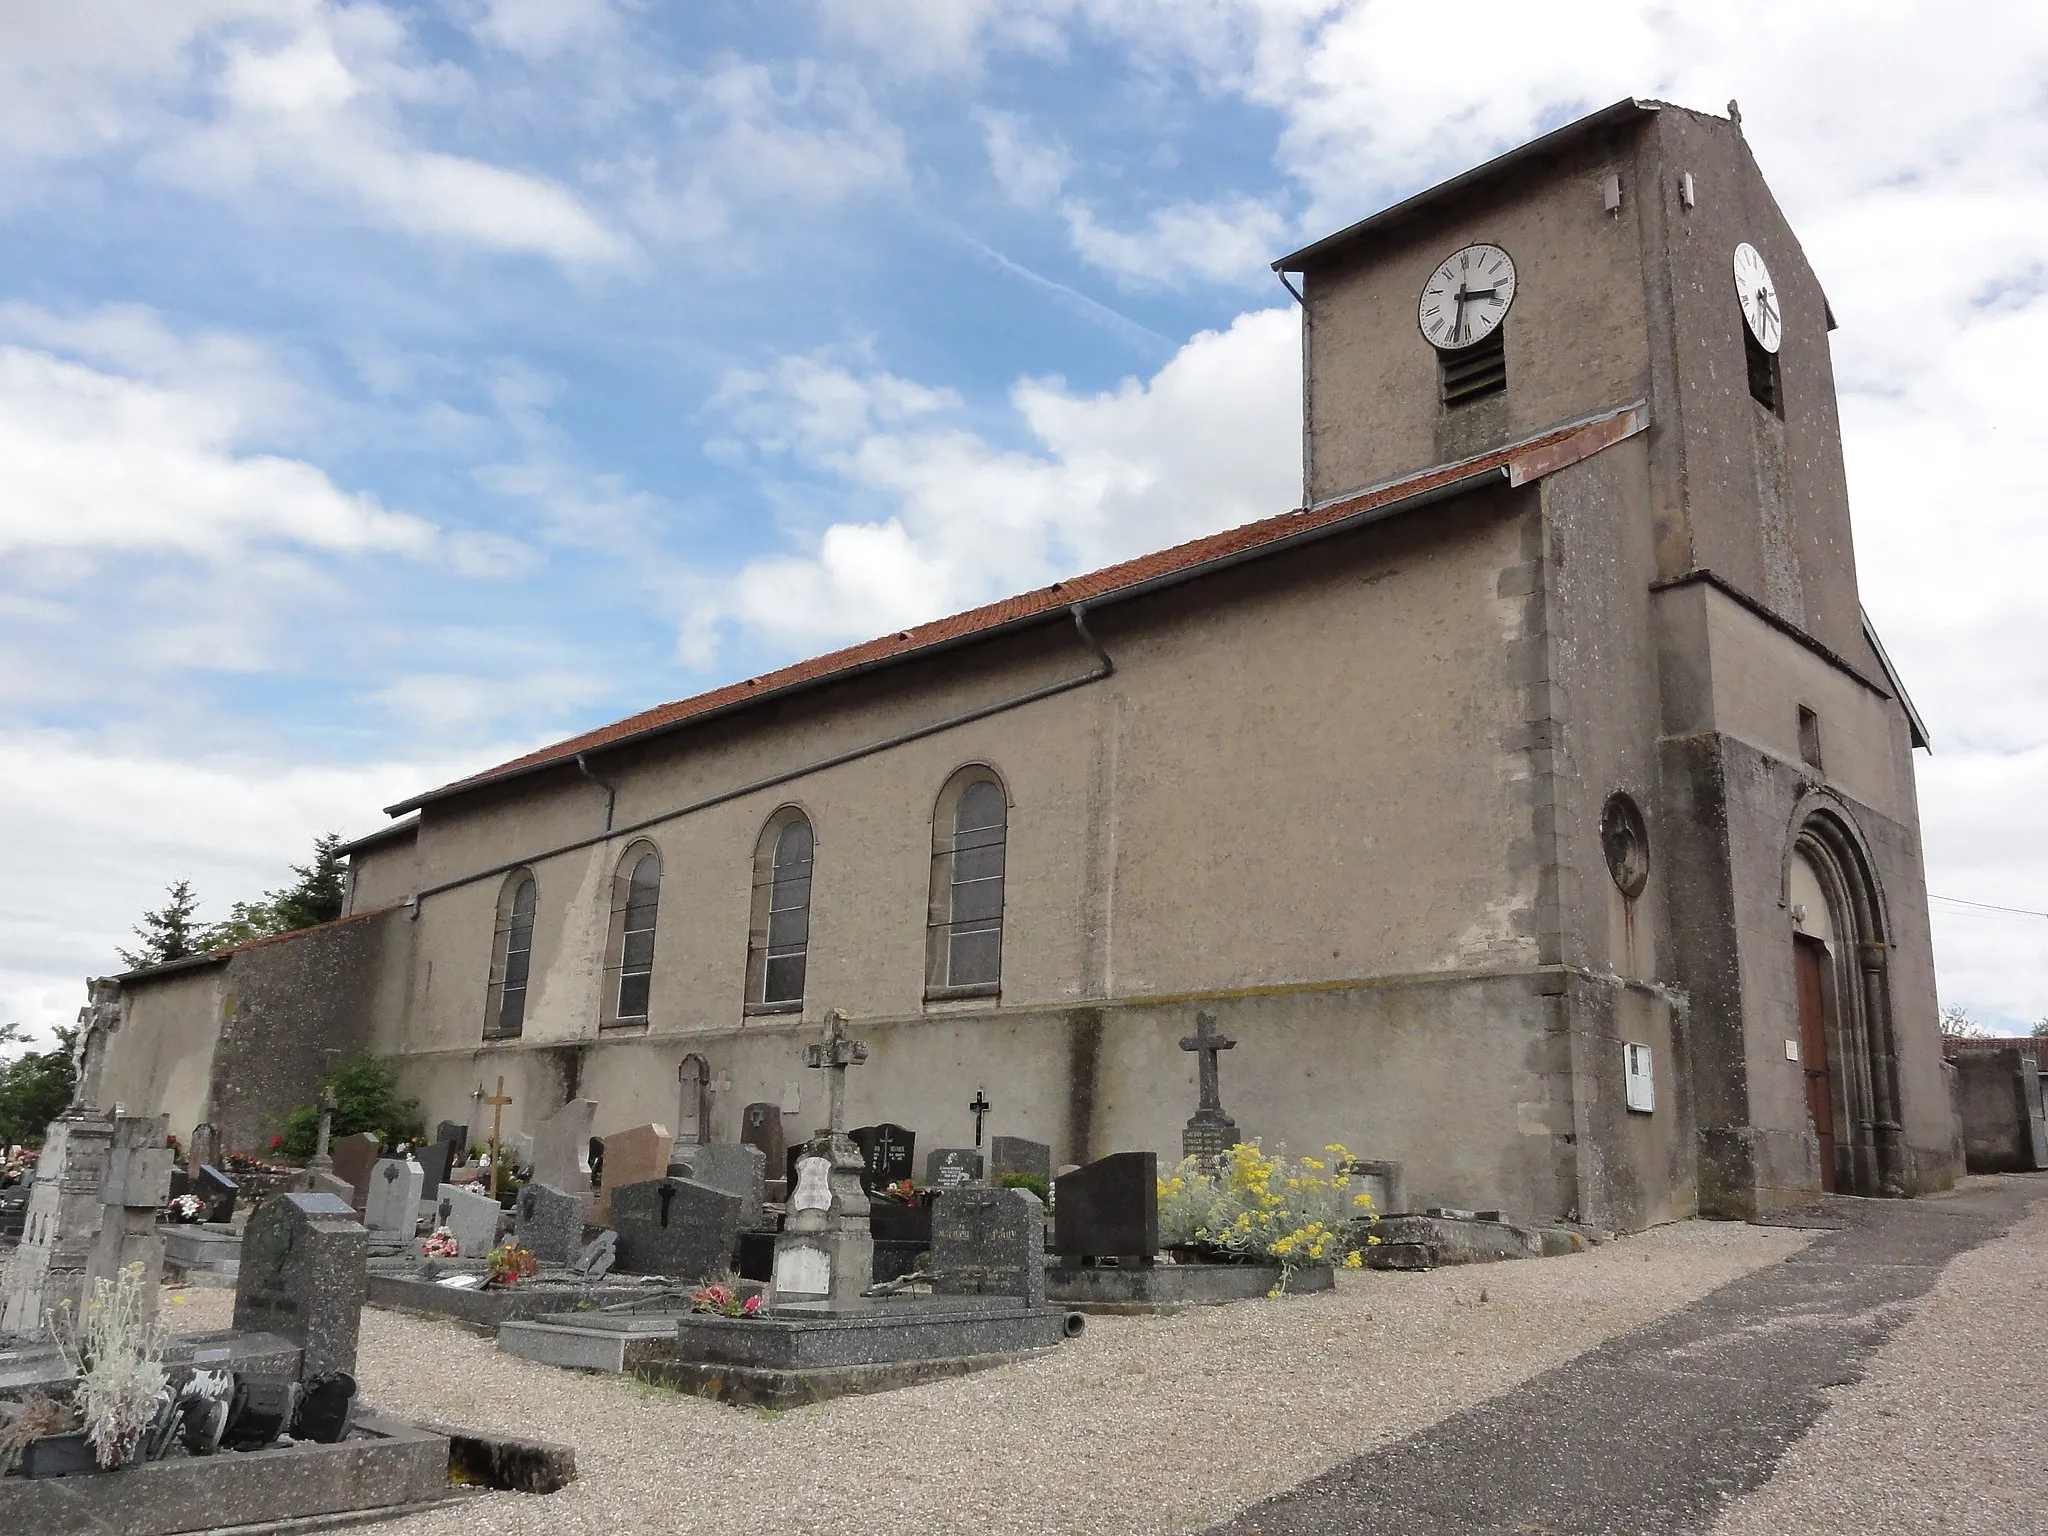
x=1529, y=459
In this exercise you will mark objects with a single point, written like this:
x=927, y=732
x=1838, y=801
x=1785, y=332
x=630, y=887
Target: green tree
x=172, y=932
x=365, y=1099
x=34, y=1087
x=2041, y=1029
x=315, y=897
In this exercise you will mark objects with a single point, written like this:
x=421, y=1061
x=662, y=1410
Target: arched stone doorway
x=1840, y=953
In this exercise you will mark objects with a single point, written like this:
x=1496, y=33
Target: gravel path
x=1948, y=1430
x=1145, y=1425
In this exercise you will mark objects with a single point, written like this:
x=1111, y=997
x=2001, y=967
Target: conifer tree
x=172, y=932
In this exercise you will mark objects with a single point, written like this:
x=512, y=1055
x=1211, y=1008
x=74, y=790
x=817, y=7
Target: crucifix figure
x=1210, y=1131
x=497, y=1101
x=978, y=1109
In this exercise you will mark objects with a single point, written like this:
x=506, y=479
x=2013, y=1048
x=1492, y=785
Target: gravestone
x=218, y=1191
x=392, y=1208
x=1019, y=1154
x=598, y=1256
x=549, y=1221
x=761, y=1126
x=205, y=1147
x=634, y=1156
x=305, y=1274
x=561, y=1147
x=825, y=1250
x=92, y=1211
x=451, y=1146
x=889, y=1153
x=1382, y=1181
x=473, y=1218
x=1108, y=1209
x=989, y=1242
x=950, y=1167
x=675, y=1227
x=738, y=1170
x=354, y=1157
x=1209, y=1132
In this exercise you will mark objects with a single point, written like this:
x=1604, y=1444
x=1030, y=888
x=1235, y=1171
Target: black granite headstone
x=889, y=1153
x=451, y=1146
x=989, y=1242
x=950, y=1167
x=675, y=1227
x=305, y=1275
x=1108, y=1209
x=1019, y=1154
x=550, y=1222
x=217, y=1190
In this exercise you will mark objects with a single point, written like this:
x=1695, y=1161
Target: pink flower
x=753, y=1305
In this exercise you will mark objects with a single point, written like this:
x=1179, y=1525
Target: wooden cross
x=1207, y=1040
x=978, y=1108
x=497, y=1101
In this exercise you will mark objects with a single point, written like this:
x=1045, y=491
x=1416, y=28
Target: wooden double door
x=1811, y=958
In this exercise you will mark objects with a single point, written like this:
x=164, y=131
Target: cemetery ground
x=1894, y=1383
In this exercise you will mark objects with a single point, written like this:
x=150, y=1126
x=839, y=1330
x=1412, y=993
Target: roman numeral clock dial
x=1467, y=297
x=1759, y=297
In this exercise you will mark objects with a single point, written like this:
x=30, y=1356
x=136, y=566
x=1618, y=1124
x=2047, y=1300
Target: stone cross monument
x=1210, y=1132
x=825, y=1251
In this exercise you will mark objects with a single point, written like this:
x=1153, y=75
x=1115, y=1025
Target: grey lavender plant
x=116, y=1353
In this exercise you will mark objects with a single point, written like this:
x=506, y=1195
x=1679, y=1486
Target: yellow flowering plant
x=1266, y=1206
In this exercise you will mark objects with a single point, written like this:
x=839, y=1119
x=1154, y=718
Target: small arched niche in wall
x=1625, y=840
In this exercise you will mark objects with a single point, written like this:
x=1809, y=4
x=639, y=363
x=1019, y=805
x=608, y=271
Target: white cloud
x=541, y=29
x=95, y=829
x=457, y=707
x=1029, y=171
x=926, y=39
x=1224, y=242
x=297, y=94
x=1210, y=441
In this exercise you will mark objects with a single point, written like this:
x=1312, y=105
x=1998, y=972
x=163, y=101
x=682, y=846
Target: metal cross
x=497, y=1101
x=979, y=1108
x=835, y=1053
x=1207, y=1041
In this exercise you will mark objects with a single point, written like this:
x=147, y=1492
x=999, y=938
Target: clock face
x=1467, y=297
x=1759, y=297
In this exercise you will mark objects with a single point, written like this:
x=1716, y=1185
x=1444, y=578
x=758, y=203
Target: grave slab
x=1019, y=1154
x=675, y=1227
x=635, y=1156
x=734, y=1167
x=1108, y=1208
x=473, y=1218
x=989, y=1242
x=950, y=1167
x=1166, y=1289
x=354, y=1157
x=549, y=1222
x=392, y=1208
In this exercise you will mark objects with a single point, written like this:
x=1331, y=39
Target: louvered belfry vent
x=1474, y=372
x=1764, y=386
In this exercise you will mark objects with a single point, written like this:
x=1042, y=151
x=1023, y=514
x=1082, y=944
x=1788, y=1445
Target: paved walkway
x=1664, y=1429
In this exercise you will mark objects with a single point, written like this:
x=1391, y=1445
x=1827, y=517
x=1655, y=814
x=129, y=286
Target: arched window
x=780, y=933
x=629, y=951
x=964, y=944
x=511, y=956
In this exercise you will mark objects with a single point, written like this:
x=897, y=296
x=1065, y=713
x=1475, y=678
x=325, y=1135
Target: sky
x=388, y=389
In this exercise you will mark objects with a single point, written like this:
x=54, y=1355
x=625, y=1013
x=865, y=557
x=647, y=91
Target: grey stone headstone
x=598, y=1256
x=675, y=1227
x=305, y=1274
x=950, y=1167
x=393, y=1204
x=1019, y=1154
x=1108, y=1208
x=549, y=1221
x=1382, y=1181
x=738, y=1170
x=889, y=1151
x=989, y=1242
x=471, y=1217
x=561, y=1147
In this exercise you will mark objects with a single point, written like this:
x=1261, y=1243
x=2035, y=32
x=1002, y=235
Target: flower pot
x=64, y=1455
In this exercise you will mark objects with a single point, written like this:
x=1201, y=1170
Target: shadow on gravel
x=1654, y=1430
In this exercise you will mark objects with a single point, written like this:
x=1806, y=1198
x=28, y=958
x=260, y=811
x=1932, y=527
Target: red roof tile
x=1523, y=461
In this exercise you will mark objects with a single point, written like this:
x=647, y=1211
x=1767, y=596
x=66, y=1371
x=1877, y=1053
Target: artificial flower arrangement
x=1246, y=1204
x=723, y=1300
x=185, y=1208
x=510, y=1264
x=441, y=1244
x=904, y=1192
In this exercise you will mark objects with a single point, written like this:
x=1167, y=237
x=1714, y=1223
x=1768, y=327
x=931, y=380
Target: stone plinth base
x=487, y=1309
x=384, y=1469
x=1168, y=1288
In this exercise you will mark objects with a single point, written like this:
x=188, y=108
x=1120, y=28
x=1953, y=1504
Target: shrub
x=365, y=1099
x=1030, y=1181
x=116, y=1353
x=1263, y=1207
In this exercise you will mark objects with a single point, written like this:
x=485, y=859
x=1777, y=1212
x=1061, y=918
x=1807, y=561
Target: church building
x=1534, y=806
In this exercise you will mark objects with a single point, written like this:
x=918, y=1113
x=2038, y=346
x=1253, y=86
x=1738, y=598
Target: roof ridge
x=1527, y=458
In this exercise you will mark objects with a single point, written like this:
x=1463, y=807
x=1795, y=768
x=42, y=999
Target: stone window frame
x=778, y=892
x=621, y=970
x=511, y=973
x=944, y=926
